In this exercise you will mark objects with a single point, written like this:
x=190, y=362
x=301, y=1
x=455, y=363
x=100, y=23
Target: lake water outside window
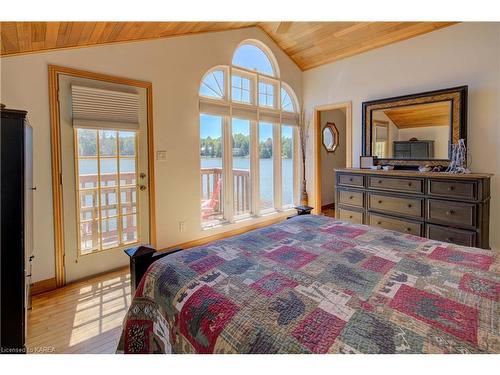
x=211, y=153
x=266, y=167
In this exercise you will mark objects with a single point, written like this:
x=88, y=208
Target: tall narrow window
x=212, y=172
x=241, y=167
x=287, y=165
x=106, y=189
x=266, y=167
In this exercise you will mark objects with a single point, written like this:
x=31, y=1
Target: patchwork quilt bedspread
x=313, y=284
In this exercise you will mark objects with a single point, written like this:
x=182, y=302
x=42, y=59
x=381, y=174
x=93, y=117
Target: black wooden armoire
x=16, y=228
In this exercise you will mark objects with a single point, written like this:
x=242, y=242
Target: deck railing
x=109, y=208
x=241, y=189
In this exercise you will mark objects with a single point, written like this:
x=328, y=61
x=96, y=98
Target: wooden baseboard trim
x=327, y=206
x=43, y=286
x=219, y=236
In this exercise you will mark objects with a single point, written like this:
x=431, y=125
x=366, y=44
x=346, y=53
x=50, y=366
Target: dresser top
x=403, y=173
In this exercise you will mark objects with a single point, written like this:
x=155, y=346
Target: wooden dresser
x=441, y=206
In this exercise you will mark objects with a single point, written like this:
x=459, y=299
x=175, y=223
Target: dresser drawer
x=453, y=189
x=451, y=235
x=351, y=198
x=452, y=213
x=399, y=225
x=396, y=184
x=351, y=180
x=403, y=206
x=354, y=217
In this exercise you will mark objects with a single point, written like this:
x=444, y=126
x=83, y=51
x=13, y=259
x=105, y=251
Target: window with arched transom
x=248, y=138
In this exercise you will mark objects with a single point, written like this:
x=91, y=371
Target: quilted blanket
x=313, y=284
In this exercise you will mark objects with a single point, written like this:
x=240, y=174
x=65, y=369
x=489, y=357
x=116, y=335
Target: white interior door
x=104, y=183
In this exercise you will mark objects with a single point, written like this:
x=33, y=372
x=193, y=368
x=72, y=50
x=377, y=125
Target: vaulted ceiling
x=309, y=44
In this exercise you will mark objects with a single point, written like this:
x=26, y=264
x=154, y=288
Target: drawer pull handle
x=379, y=181
x=409, y=205
x=409, y=183
x=350, y=216
x=450, y=212
x=449, y=239
x=451, y=188
x=379, y=223
x=408, y=230
x=350, y=180
x=351, y=197
x=379, y=202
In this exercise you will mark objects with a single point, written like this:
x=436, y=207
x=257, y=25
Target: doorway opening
x=333, y=142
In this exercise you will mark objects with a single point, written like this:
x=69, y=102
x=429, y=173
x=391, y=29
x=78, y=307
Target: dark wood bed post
x=141, y=257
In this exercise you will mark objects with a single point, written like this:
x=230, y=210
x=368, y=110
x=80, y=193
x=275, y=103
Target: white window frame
x=259, y=111
x=252, y=86
x=276, y=95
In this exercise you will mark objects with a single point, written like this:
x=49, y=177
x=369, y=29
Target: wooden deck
x=82, y=317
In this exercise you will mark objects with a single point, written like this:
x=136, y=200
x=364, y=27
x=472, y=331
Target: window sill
x=249, y=221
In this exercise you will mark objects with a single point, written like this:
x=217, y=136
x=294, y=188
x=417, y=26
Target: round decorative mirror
x=330, y=137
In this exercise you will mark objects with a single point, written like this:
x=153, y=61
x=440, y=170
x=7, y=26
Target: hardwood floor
x=82, y=317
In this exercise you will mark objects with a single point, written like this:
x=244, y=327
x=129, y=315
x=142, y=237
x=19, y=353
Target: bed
x=313, y=284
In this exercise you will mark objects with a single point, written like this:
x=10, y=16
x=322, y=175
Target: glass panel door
x=106, y=161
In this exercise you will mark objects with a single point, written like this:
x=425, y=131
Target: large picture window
x=248, y=139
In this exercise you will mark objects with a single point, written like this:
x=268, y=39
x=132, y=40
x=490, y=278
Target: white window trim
x=227, y=159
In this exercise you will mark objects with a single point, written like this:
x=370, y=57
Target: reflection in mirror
x=420, y=131
x=330, y=137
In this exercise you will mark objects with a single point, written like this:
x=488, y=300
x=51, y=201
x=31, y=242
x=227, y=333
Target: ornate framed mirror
x=330, y=137
x=418, y=129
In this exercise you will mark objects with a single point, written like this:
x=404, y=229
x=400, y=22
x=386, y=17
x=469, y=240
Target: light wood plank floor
x=82, y=317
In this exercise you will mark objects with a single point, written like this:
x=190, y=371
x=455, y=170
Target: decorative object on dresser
x=16, y=251
x=458, y=162
x=416, y=129
x=446, y=207
x=303, y=136
x=366, y=162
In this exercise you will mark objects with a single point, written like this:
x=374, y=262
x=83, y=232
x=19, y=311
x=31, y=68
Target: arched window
x=253, y=58
x=248, y=138
x=212, y=85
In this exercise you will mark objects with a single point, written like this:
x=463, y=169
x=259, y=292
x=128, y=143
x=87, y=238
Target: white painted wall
x=175, y=66
x=332, y=160
x=463, y=54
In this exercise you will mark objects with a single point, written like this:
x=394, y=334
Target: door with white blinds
x=104, y=173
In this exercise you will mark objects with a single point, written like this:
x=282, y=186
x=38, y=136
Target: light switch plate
x=161, y=155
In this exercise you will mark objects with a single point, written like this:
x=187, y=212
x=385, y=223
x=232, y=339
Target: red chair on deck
x=208, y=205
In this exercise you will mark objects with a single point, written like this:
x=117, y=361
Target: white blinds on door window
x=98, y=108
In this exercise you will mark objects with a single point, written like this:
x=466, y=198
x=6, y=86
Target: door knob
x=142, y=175
x=142, y=187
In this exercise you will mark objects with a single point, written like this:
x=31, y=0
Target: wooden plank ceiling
x=415, y=116
x=309, y=44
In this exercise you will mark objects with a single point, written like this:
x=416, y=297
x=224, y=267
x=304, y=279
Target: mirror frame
x=458, y=127
x=335, y=131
